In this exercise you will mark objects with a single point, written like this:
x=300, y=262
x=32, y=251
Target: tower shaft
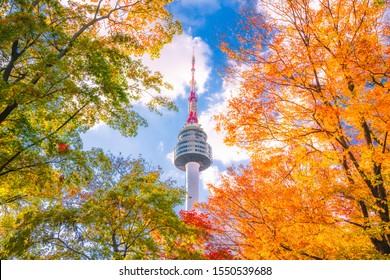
x=192, y=184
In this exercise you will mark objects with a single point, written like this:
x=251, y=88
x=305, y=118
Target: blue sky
x=204, y=22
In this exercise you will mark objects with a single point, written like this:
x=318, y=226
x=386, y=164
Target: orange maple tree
x=313, y=114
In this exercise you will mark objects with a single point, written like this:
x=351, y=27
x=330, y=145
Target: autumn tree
x=125, y=211
x=201, y=240
x=312, y=112
x=66, y=65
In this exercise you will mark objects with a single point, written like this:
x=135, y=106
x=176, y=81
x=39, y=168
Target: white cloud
x=160, y=146
x=276, y=9
x=174, y=64
x=222, y=152
x=272, y=8
x=210, y=176
x=99, y=125
x=170, y=157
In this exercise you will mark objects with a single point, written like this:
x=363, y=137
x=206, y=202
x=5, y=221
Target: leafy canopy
x=65, y=66
x=125, y=211
x=312, y=111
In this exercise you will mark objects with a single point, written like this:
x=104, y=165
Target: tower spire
x=192, y=101
x=193, y=83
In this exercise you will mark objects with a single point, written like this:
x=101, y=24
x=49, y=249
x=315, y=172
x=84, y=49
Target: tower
x=192, y=153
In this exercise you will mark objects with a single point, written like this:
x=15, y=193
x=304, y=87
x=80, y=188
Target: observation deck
x=192, y=147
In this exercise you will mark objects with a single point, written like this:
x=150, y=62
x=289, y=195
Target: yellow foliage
x=312, y=112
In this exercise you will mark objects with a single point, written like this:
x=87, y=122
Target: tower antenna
x=192, y=101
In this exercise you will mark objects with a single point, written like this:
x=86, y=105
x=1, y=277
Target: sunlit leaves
x=123, y=211
x=312, y=113
x=65, y=66
x=207, y=242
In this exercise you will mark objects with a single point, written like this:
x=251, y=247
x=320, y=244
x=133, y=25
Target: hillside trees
x=313, y=113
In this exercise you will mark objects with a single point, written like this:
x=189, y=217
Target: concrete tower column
x=192, y=184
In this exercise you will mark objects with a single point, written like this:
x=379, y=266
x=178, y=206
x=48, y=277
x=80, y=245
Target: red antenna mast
x=192, y=101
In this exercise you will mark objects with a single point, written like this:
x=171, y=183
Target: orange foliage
x=206, y=241
x=312, y=112
x=197, y=219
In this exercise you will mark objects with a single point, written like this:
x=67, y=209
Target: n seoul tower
x=192, y=153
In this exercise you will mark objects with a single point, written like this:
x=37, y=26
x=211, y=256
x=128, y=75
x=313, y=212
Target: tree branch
x=11, y=159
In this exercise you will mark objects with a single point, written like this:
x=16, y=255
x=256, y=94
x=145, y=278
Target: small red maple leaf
x=62, y=147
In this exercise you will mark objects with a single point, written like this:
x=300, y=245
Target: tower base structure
x=192, y=184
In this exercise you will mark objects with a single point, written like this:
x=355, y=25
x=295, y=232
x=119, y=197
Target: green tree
x=124, y=212
x=65, y=65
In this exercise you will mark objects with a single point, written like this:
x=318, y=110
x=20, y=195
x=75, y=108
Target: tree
x=206, y=244
x=312, y=112
x=263, y=212
x=65, y=65
x=124, y=212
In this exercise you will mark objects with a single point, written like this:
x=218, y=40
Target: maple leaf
x=63, y=147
